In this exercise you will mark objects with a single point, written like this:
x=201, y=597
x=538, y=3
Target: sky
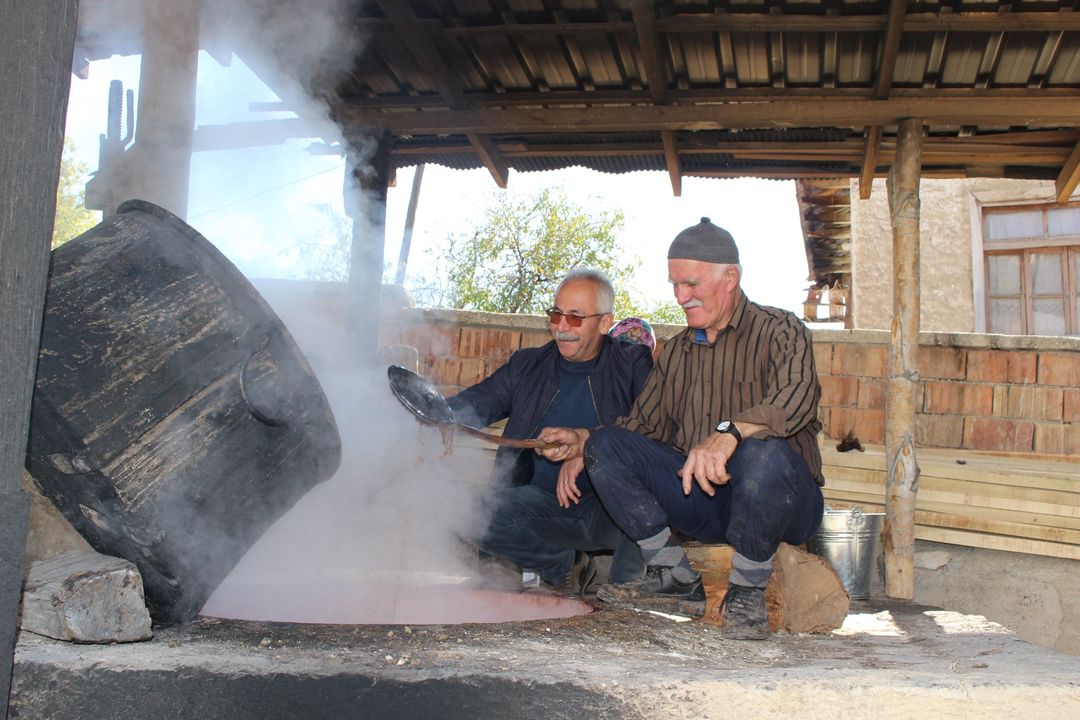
x=257, y=205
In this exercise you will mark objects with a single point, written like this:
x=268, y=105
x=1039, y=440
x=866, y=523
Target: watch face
x=724, y=426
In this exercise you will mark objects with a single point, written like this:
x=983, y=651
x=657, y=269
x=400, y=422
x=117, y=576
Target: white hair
x=605, y=293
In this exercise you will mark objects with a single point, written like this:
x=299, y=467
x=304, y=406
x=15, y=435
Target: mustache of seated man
x=566, y=336
x=691, y=304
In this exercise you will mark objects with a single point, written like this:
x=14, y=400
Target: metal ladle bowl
x=420, y=396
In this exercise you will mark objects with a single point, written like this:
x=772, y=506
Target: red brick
x=534, y=338
x=1072, y=406
x=941, y=362
x=871, y=394
x=945, y=398
x=943, y=431
x=823, y=356
x=471, y=371
x=443, y=341
x=419, y=336
x=988, y=365
x=1059, y=369
x=1022, y=366
x=1001, y=400
x=868, y=425
x=839, y=391
x=1056, y=439
x=864, y=360
x=999, y=435
x=1036, y=403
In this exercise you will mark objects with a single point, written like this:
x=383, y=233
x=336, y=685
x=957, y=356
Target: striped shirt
x=760, y=370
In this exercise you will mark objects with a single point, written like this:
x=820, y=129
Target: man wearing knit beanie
x=720, y=445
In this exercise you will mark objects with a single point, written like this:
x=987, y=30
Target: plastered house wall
x=950, y=250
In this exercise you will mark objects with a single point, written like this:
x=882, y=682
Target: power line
x=266, y=192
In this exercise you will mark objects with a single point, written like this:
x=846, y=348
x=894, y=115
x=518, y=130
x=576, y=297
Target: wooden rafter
x=671, y=157
x=1069, y=177
x=648, y=41
x=416, y=41
x=890, y=49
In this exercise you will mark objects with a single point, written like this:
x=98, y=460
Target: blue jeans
x=529, y=529
x=772, y=496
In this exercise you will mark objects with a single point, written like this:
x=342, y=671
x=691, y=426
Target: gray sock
x=663, y=549
x=750, y=573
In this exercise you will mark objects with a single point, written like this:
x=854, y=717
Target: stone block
x=804, y=594
x=823, y=352
x=49, y=533
x=85, y=597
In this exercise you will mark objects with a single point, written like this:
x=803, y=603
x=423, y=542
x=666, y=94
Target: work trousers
x=771, y=497
x=529, y=529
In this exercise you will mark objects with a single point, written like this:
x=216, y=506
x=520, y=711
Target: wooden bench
x=998, y=501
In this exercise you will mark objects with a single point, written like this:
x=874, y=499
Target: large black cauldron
x=174, y=418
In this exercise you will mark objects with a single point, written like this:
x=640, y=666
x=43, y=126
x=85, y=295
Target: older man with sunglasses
x=547, y=518
x=720, y=445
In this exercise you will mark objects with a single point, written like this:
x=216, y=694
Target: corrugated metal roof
x=519, y=75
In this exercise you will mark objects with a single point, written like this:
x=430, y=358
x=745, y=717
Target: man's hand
x=566, y=489
x=707, y=463
x=567, y=443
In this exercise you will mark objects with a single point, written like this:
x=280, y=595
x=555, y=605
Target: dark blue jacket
x=523, y=389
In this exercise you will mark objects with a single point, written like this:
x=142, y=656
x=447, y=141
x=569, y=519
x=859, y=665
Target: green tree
x=72, y=217
x=513, y=259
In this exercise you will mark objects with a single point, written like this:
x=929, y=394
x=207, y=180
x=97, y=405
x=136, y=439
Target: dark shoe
x=581, y=574
x=657, y=590
x=745, y=616
x=576, y=582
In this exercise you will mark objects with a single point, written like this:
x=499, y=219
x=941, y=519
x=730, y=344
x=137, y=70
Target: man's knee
x=762, y=469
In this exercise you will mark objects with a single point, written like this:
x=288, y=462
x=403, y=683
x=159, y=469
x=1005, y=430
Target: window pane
x=1049, y=317
x=1014, y=225
x=1046, y=274
x=1004, y=274
x=1005, y=317
x=1064, y=221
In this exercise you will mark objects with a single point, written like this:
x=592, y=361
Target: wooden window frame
x=1068, y=246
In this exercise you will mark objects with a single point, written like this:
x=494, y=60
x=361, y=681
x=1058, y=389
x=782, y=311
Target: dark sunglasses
x=573, y=321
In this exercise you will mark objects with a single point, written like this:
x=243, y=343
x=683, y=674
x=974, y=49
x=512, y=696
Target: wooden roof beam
x=890, y=49
x=843, y=112
x=418, y=43
x=924, y=22
x=1069, y=177
x=649, y=42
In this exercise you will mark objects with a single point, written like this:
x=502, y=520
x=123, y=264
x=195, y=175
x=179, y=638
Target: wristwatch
x=726, y=426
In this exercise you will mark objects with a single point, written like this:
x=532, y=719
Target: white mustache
x=566, y=336
x=691, y=304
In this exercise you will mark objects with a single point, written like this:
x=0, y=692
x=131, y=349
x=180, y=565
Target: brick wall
x=977, y=392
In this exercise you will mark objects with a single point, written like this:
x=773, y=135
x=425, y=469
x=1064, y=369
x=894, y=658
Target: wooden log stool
x=804, y=594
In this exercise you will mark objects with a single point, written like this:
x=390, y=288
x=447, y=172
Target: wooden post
x=36, y=44
x=903, y=471
x=366, y=181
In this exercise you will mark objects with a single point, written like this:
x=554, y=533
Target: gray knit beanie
x=706, y=242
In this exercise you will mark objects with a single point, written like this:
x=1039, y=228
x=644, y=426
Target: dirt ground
x=889, y=660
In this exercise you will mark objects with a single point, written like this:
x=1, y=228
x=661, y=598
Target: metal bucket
x=851, y=541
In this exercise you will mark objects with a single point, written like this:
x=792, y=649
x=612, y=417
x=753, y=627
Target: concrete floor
x=890, y=660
